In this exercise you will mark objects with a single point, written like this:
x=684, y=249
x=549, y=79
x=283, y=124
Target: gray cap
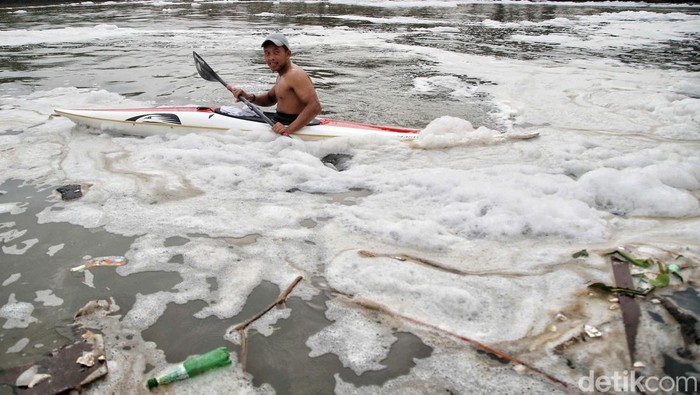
x=278, y=39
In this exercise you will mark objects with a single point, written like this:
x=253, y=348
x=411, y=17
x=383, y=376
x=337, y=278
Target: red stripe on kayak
x=357, y=125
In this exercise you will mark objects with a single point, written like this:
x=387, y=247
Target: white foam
x=62, y=35
x=54, y=249
x=13, y=208
x=17, y=314
x=438, y=84
x=360, y=342
x=469, y=306
x=632, y=192
x=48, y=298
x=460, y=371
x=13, y=277
x=12, y=234
x=19, y=248
x=626, y=29
x=19, y=346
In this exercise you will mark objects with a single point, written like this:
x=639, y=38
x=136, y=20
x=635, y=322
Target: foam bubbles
x=17, y=314
x=631, y=192
x=448, y=131
x=47, y=298
x=360, y=342
x=13, y=277
x=19, y=346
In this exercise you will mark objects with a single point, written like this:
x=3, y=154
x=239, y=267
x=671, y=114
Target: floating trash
x=31, y=377
x=89, y=262
x=592, y=331
x=580, y=254
x=193, y=366
x=73, y=191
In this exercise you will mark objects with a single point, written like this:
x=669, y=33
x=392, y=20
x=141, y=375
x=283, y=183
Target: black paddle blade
x=204, y=70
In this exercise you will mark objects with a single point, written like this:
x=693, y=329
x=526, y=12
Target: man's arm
x=304, y=89
x=266, y=99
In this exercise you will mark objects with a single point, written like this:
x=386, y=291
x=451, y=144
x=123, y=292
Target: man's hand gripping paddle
x=208, y=74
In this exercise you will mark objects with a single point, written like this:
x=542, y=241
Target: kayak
x=192, y=119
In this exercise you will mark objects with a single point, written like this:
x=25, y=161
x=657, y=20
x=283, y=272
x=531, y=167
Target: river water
x=471, y=234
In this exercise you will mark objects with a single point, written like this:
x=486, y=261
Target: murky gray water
x=356, y=80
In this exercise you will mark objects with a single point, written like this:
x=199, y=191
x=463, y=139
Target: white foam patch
x=17, y=314
x=475, y=307
x=265, y=324
x=460, y=371
x=360, y=342
x=446, y=131
x=39, y=154
x=400, y=4
x=62, y=35
x=630, y=192
x=54, y=249
x=12, y=234
x=626, y=29
x=147, y=309
x=12, y=208
x=19, y=346
x=13, y=277
x=19, y=248
x=603, y=95
x=443, y=84
x=47, y=298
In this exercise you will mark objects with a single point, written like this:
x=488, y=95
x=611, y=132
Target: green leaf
x=644, y=263
x=662, y=280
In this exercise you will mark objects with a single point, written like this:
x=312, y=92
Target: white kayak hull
x=185, y=120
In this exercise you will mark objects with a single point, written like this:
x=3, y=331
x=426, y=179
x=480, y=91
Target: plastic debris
x=192, y=367
x=58, y=372
x=520, y=369
x=31, y=377
x=101, y=307
x=592, y=331
x=580, y=254
x=72, y=191
x=89, y=262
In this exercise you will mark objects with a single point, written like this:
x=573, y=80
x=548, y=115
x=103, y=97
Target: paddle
x=208, y=74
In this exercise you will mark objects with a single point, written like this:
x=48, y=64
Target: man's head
x=277, y=52
x=276, y=39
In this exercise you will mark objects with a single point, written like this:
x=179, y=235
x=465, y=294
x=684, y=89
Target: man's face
x=276, y=57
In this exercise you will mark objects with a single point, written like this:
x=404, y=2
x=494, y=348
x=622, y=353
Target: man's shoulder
x=297, y=71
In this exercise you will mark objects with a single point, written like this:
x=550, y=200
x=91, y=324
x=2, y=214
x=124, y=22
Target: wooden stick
x=241, y=328
x=244, y=350
x=384, y=309
x=280, y=300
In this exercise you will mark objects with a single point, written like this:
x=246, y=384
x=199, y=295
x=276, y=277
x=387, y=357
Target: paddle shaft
x=208, y=73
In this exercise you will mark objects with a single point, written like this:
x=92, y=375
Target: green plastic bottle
x=192, y=367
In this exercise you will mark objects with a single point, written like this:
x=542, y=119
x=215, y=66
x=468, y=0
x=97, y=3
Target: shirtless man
x=297, y=103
